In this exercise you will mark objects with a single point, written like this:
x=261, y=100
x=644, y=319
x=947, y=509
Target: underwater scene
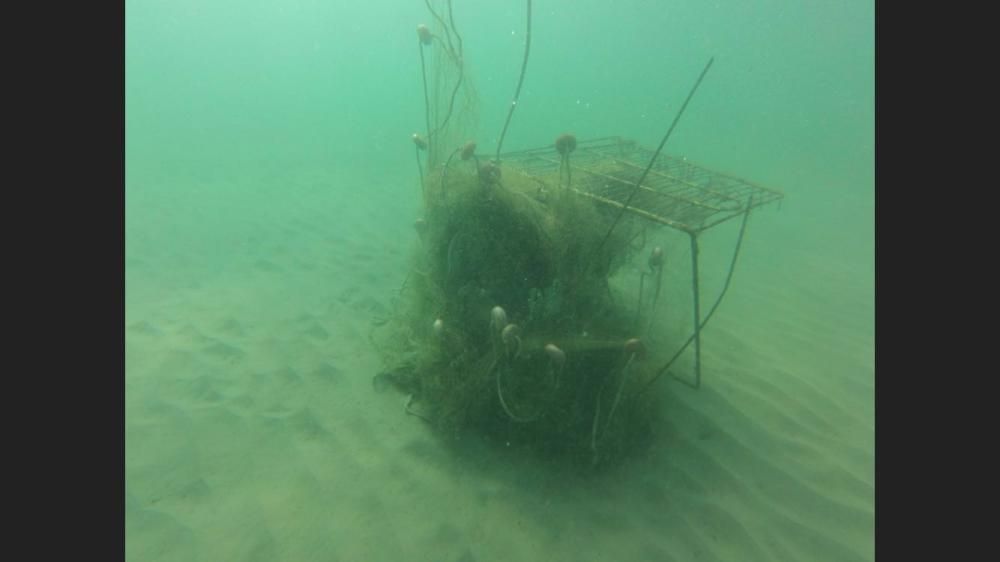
x=541, y=280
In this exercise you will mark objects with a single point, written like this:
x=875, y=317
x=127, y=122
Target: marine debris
x=507, y=324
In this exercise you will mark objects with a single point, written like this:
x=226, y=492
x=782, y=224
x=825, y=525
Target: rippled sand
x=253, y=431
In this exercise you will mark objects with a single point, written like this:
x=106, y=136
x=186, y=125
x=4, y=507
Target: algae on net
x=510, y=242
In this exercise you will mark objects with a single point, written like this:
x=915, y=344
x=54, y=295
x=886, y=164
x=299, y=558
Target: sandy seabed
x=253, y=431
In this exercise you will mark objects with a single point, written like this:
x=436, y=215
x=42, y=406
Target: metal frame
x=676, y=193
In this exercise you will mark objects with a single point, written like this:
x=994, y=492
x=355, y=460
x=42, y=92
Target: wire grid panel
x=676, y=192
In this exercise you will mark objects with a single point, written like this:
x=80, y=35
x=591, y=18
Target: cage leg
x=697, y=310
x=420, y=170
x=696, y=336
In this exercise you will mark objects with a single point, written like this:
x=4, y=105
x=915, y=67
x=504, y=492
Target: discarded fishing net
x=507, y=324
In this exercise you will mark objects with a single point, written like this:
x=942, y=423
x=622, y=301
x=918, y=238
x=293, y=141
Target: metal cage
x=676, y=193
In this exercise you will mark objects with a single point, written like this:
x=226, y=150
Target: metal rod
x=697, y=310
x=698, y=328
x=564, y=165
x=520, y=81
x=653, y=159
x=427, y=102
x=420, y=168
x=656, y=298
x=638, y=308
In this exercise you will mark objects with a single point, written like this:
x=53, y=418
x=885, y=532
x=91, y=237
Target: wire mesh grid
x=676, y=192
